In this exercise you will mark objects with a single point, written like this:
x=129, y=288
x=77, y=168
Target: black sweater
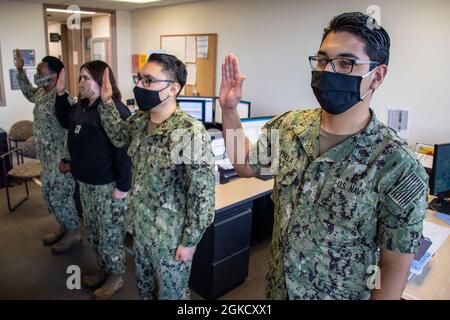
x=93, y=158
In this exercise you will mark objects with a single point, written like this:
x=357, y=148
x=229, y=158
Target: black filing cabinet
x=222, y=257
x=4, y=149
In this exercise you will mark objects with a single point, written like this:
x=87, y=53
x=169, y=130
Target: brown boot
x=113, y=284
x=69, y=240
x=53, y=238
x=94, y=280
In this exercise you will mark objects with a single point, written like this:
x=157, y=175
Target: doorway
x=80, y=36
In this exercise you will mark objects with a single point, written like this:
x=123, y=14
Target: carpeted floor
x=28, y=270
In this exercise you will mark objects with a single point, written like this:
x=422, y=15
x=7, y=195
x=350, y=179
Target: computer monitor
x=193, y=107
x=243, y=110
x=440, y=178
x=252, y=127
x=209, y=106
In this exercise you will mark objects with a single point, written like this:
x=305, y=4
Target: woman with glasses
x=102, y=171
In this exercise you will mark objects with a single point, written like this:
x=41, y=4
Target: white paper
x=175, y=46
x=75, y=58
x=218, y=147
x=191, y=69
x=202, y=47
x=399, y=120
x=437, y=234
x=191, y=49
x=425, y=160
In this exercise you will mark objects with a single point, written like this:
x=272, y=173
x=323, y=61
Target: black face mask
x=147, y=99
x=337, y=92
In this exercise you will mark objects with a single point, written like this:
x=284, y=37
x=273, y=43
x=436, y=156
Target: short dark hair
x=172, y=65
x=53, y=64
x=375, y=37
x=96, y=68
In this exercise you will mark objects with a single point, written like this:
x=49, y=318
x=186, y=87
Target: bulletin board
x=199, y=53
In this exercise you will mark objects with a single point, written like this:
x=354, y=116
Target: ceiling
x=110, y=4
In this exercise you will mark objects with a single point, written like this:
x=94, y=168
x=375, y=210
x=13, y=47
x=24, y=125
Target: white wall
x=274, y=38
x=29, y=35
x=54, y=48
x=123, y=76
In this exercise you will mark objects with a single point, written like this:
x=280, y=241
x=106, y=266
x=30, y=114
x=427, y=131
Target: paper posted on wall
x=191, y=74
x=202, y=47
x=399, y=120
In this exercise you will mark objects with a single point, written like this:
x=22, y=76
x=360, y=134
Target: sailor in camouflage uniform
x=57, y=188
x=338, y=196
x=172, y=196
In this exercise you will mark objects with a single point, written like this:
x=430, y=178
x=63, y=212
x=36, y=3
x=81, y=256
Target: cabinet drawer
x=232, y=235
x=230, y=272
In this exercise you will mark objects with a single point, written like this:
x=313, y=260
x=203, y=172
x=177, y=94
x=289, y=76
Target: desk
x=222, y=256
x=434, y=282
x=241, y=190
x=221, y=261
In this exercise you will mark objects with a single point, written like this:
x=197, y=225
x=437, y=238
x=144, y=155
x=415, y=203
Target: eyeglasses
x=147, y=81
x=339, y=65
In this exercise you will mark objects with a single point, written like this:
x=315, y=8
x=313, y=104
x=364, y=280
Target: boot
x=69, y=240
x=113, y=284
x=53, y=238
x=94, y=280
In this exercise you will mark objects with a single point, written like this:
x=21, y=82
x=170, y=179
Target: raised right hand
x=61, y=84
x=19, y=60
x=231, y=86
x=106, y=89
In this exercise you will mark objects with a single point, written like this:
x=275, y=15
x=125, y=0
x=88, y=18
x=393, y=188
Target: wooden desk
x=241, y=190
x=434, y=282
x=233, y=198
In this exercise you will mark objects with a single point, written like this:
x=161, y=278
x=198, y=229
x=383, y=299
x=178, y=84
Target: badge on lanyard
x=77, y=129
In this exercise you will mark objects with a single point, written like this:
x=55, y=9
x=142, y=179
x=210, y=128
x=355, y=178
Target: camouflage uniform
x=57, y=188
x=332, y=212
x=172, y=203
x=104, y=225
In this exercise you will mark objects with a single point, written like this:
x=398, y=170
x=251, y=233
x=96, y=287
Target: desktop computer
x=209, y=106
x=193, y=107
x=252, y=127
x=243, y=110
x=440, y=178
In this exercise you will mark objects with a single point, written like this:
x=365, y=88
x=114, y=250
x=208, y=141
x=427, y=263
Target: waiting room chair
x=23, y=172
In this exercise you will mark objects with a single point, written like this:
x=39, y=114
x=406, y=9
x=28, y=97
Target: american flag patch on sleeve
x=408, y=189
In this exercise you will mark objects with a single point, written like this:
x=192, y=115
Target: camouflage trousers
x=104, y=225
x=159, y=275
x=58, y=192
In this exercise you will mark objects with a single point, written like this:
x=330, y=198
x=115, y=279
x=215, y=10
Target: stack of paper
x=437, y=235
